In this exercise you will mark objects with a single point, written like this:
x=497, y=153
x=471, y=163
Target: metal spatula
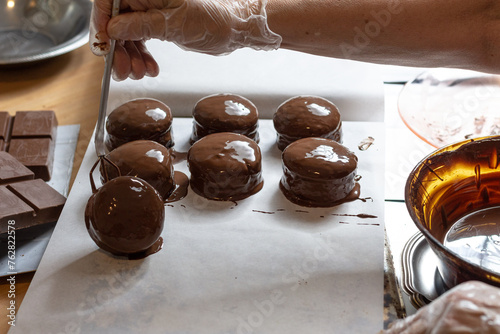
x=99, y=134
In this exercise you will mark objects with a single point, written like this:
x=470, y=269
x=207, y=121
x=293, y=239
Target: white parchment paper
x=262, y=265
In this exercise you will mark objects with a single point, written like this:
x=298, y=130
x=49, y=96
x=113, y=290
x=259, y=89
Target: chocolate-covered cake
x=318, y=172
x=225, y=113
x=144, y=159
x=139, y=119
x=125, y=217
x=225, y=166
x=306, y=116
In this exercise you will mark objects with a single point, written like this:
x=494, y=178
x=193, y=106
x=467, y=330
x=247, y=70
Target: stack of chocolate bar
x=30, y=136
x=27, y=143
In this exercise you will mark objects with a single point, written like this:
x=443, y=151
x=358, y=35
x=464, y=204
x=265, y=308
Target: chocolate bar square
x=30, y=136
x=29, y=203
x=38, y=124
x=11, y=170
x=12, y=208
x=5, y=120
x=35, y=153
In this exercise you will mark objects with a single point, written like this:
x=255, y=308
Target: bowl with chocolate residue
x=453, y=197
x=443, y=106
x=34, y=30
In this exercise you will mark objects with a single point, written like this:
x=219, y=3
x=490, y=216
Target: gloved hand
x=214, y=27
x=471, y=307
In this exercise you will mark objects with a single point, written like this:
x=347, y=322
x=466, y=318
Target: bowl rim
x=404, y=120
x=78, y=40
x=428, y=236
x=455, y=74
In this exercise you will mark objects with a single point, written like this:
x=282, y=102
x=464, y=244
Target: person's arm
x=429, y=33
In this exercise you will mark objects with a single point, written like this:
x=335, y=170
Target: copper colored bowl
x=447, y=185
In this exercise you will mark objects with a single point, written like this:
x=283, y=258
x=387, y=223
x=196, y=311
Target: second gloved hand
x=469, y=308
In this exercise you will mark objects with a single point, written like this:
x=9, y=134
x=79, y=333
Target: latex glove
x=214, y=27
x=471, y=307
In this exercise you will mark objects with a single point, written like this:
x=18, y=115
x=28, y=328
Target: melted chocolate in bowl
x=225, y=166
x=319, y=172
x=306, y=116
x=125, y=217
x=139, y=119
x=225, y=113
x=453, y=196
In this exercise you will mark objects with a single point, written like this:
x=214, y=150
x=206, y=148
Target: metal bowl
x=33, y=30
x=443, y=191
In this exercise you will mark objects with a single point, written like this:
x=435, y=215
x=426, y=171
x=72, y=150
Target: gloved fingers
x=133, y=60
x=121, y=62
x=197, y=26
x=411, y=325
x=99, y=39
x=471, y=307
x=136, y=26
x=144, y=5
x=137, y=66
x=101, y=14
x=152, y=68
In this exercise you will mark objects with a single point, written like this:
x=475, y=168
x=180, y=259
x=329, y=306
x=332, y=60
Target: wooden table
x=70, y=85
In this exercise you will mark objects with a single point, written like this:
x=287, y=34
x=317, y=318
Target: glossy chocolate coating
x=30, y=137
x=144, y=159
x=125, y=216
x=29, y=203
x=225, y=166
x=225, y=113
x=306, y=116
x=139, y=119
x=318, y=172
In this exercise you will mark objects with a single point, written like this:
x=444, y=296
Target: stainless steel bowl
x=33, y=30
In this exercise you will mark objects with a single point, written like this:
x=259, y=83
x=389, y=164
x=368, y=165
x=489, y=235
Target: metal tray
x=31, y=242
x=421, y=280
